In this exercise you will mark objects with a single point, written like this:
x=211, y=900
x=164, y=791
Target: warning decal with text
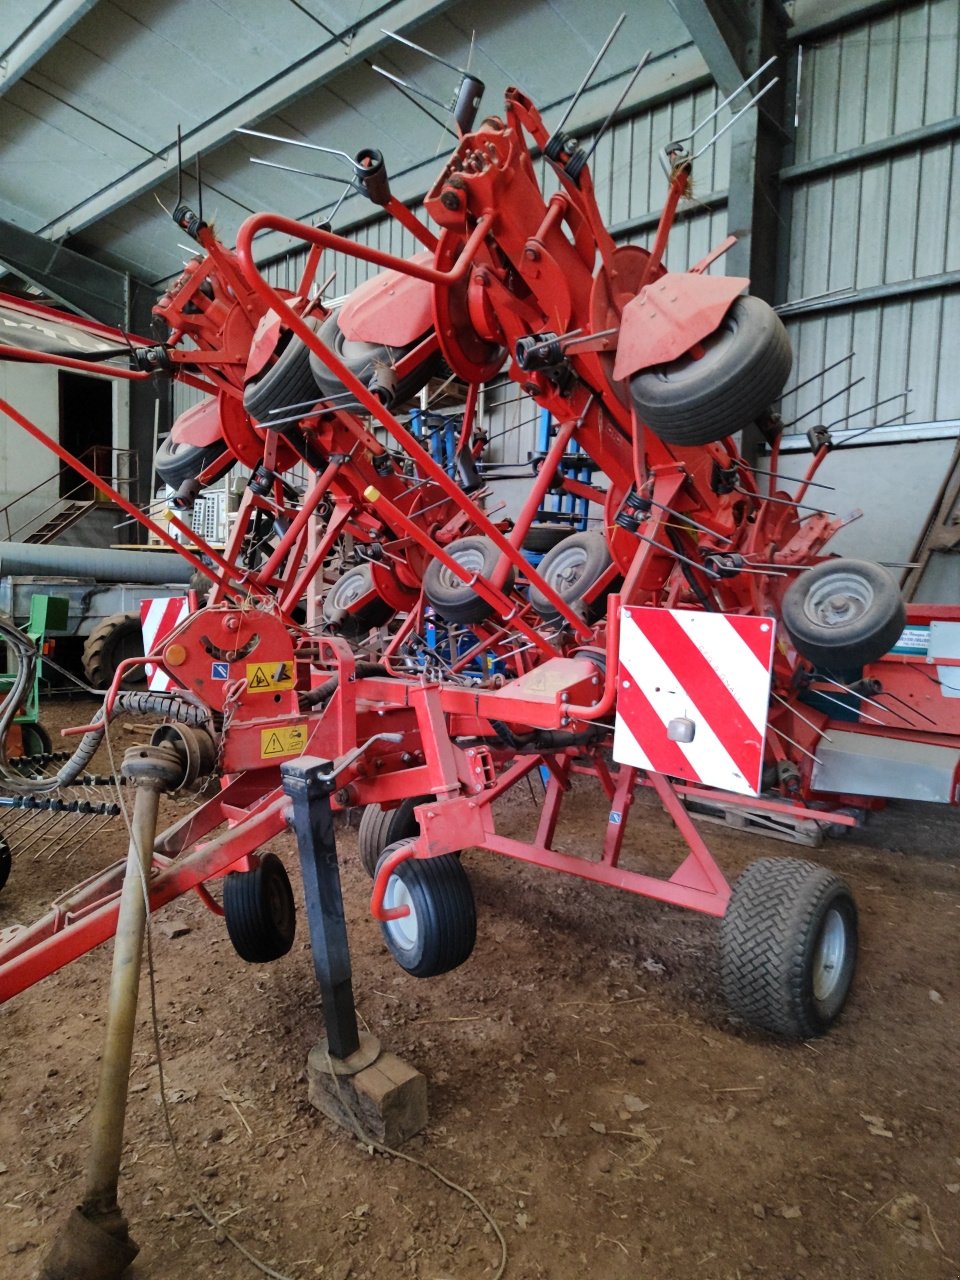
x=288, y=740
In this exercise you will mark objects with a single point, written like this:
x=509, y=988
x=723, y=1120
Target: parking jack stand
x=94, y=1243
x=351, y=1079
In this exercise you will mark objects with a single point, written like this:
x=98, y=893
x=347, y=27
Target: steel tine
x=426, y=52
x=734, y=118
x=421, y=93
x=836, y=701
x=814, y=376
x=849, y=387
x=793, y=711
x=587, y=78
x=299, y=142
x=899, y=395
x=619, y=103
x=809, y=754
x=729, y=98
x=289, y=168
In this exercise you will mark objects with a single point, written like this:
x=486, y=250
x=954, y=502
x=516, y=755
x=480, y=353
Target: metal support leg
x=308, y=784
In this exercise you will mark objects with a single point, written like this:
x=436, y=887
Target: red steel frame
x=490, y=214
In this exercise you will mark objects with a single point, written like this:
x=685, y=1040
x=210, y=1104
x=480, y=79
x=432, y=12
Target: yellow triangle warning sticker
x=268, y=676
x=286, y=741
x=258, y=680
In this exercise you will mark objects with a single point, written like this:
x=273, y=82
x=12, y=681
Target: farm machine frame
x=696, y=638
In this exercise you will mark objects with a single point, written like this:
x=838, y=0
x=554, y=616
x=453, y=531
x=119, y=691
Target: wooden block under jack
x=385, y=1096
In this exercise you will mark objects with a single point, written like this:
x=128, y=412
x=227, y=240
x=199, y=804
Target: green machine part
x=46, y=613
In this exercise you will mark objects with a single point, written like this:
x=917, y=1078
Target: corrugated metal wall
x=876, y=225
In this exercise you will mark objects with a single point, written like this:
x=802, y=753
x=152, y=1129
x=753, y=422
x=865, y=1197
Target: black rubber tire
x=843, y=613
x=286, y=383
x=176, y=463
x=36, y=740
x=455, y=600
x=541, y=538
x=259, y=911
x=381, y=827
x=571, y=568
x=110, y=642
x=350, y=586
x=6, y=862
x=363, y=359
x=745, y=363
x=781, y=912
x=442, y=909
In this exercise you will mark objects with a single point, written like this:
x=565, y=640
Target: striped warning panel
x=693, y=695
x=159, y=618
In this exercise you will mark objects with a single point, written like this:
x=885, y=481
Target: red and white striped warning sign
x=158, y=618
x=693, y=695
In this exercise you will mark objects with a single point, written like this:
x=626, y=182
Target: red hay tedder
x=695, y=638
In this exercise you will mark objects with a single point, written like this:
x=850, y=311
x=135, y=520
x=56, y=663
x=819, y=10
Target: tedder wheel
x=287, y=383
x=352, y=604
x=844, y=613
x=6, y=861
x=744, y=364
x=454, y=599
x=788, y=947
x=259, y=911
x=571, y=568
x=111, y=642
x=175, y=462
x=365, y=360
x=441, y=928
x=380, y=827
x=541, y=538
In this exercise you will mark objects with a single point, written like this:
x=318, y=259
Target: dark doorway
x=86, y=429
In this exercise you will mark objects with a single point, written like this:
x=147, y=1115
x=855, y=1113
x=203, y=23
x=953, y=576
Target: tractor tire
x=381, y=827
x=110, y=642
x=259, y=911
x=339, y=611
x=287, y=384
x=6, y=862
x=744, y=365
x=571, y=568
x=176, y=463
x=441, y=929
x=363, y=359
x=456, y=600
x=788, y=947
x=842, y=613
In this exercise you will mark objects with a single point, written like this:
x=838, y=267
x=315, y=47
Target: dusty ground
x=585, y=1083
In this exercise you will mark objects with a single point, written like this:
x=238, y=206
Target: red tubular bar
x=504, y=606
x=411, y=446
x=531, y=504
x=99, y=483
x=55, y=940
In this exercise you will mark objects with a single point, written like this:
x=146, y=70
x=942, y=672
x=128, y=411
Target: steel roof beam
x=87, y=287
x=28, y=46
x=313, y=69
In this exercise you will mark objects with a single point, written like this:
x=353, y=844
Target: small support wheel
x=353, y=606
x=441, y=928
x=843, y=614
x=788, y=947
x=571, y=568
x=455, y=599
x=380, y=827
x=259, y=911
x=6, y=862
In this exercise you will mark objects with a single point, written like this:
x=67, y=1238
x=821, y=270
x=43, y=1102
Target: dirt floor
x=585, y=1083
